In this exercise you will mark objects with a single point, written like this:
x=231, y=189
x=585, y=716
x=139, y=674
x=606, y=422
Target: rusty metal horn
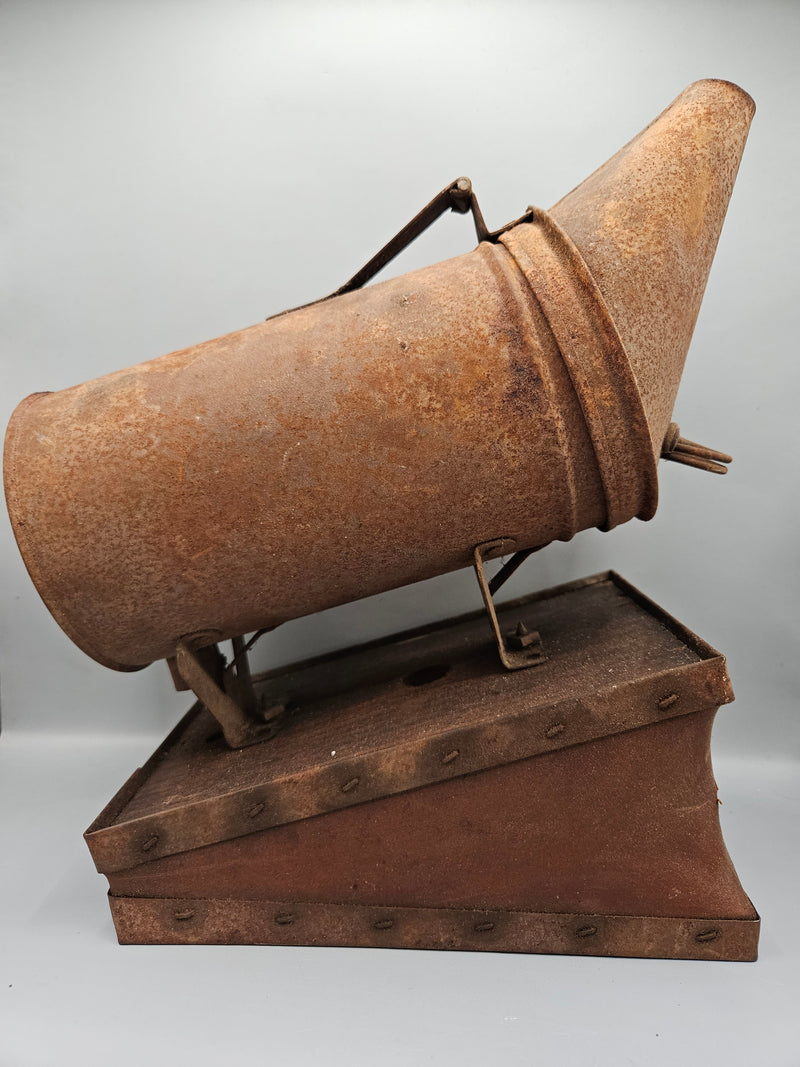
x=514, y=395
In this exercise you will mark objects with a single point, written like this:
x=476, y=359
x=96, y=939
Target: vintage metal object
x=414, y=792
x=420, y=796
x=514, y=395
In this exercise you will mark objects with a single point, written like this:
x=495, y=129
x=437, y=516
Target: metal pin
x=182, y=916
x=667, y=702
x=350, y=785
x=696, y=461
x=554, y=730
x=450, y=756
x=691, y=448
x=586, y=931
x=255, y=811
x=151, y=842
x=383, y=924
x=484, y=927
x=680, y=450
x=284, y=918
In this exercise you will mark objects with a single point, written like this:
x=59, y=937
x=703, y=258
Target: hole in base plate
x=426, y=675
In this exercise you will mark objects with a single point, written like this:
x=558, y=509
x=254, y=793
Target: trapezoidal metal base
x=422, y=797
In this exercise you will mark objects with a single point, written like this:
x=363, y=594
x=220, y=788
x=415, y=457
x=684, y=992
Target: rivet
x=284, y=918
x=484, y=927
x=151, y=842
x=182, y=916
x=350, y=785
x=667, y=702
x=450, y=756
x=554, y=730
x=586, y=931
x=704, y=936
x=255, y=811
x=383, y=924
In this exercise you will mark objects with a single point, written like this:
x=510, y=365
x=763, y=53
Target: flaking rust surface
x=313, y=451
x=625, y=825
x=375, y=439
x=647, y=223
x=349, y=705
x=438, y=802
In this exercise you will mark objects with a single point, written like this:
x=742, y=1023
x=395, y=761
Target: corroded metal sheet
x=319, y=457
x=157, y=921
x=430, y=799
x=626, y=824
x=416, y=709
x=520, y=392
x=647, y=223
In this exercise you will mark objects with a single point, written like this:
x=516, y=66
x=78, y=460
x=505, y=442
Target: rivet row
x=484, y=926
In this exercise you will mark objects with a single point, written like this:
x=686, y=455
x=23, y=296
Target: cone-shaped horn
x=515, y=395
x=647, y=224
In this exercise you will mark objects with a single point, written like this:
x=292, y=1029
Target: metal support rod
x=239, y=680
x=238, y=728
x=508, y=568
x=460, y=197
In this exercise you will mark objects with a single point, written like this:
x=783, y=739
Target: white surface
x=175, y=170
x=70, y=995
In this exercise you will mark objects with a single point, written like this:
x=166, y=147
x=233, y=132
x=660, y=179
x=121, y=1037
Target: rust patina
x=422, y=797
x=520, y=393
x=414, y=793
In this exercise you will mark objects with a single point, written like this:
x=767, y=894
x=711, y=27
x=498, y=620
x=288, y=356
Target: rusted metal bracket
x=460, y=197
x=520, y=647
x=237, y=711
x=679, y=450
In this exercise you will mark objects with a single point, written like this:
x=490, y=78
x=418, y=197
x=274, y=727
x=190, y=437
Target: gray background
x=172, y=171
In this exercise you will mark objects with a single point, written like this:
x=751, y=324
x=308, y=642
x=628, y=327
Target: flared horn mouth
x=647, y=224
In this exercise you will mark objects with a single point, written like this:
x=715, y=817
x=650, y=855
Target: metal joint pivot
x=460, y=197
x=227, y=691
x=520, y=647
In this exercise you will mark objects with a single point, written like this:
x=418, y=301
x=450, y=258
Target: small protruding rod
x=679, y=450
x=692, y=449
x=695, y=461
x=508, y=569
x=244, y=680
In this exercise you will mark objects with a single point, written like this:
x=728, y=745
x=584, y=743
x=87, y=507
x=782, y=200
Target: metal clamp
x=521, y=647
